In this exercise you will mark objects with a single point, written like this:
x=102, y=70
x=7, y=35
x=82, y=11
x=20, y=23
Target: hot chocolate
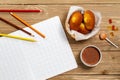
x=90, y=56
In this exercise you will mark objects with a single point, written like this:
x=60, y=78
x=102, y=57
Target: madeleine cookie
x=89, y=19
x=75, y=20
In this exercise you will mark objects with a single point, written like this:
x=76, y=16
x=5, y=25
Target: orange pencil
x=26, y=24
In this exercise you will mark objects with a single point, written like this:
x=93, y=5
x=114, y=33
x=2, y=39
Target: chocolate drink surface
x=91, y=55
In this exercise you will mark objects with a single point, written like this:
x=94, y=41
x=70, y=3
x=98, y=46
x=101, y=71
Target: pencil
x=15, y=26
x=18, y=37
x=26, y=24
x=14, y=10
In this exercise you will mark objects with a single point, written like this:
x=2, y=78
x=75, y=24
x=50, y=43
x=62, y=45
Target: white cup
x=90, y=65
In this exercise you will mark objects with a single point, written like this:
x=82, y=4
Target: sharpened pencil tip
x=44, y=37
x=32, y=35
x=41, y=10
x=11, y=13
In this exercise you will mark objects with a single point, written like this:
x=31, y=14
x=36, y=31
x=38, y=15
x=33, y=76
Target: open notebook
x=23, y=60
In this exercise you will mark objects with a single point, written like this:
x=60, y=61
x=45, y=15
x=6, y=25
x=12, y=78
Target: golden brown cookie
x=75, y=20
x=82, y=29
x=89, y=19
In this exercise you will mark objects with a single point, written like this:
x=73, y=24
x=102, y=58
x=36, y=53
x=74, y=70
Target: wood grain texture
x=109, y=68
x=56, y=1
x=109, y=65
x=86, y=77
x=52, y=10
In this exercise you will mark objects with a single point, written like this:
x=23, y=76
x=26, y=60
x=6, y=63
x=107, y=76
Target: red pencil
x=14, y=10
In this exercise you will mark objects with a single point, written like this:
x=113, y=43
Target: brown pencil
x=15, y=26
x=26, y=24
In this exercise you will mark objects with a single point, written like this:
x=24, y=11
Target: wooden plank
x=107, y=11
x=110, y=54
x=56, y=1
x=86, y=77
x=102, y=44
x=110, y=64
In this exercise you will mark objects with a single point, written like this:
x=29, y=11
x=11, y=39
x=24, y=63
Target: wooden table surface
x=109, y=68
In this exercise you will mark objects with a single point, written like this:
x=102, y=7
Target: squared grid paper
x=48, y=57
x=13, y=65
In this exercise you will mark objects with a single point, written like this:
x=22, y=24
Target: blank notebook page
x=13, y=65
x=46, y=58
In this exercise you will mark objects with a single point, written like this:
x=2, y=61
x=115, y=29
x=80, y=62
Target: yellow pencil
x=26, y=24
x=18, y=37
